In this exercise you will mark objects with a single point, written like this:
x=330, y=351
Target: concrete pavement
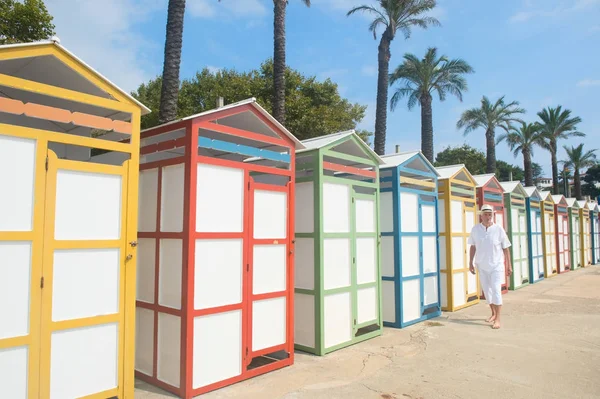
x=548, y=347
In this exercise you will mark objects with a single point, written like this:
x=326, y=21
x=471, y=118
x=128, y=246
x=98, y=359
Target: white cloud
x=213, y=69
x=565, y=7
x=202, y=8
x=236, y=8
x=369, y=70
x=588, y=82
x=103, y=34
x=522, y=16
x=581, y=4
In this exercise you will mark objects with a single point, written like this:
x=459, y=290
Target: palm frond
x=501, y=137
x=365, y=8
x=374, y=24
x=470, y=120
x=400, y=93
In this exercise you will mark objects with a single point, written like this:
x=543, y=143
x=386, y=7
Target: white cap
x=486, y=208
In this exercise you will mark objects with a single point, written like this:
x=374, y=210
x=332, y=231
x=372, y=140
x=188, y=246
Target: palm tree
x=279, y=59
x=522, y=141
x=557, y=124
x=421, y=79
x=577, y=160
x=566, y=176
x=490, y=117
x=392, y=15
x=172, y=60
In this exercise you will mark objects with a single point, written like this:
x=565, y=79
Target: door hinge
x=354, y=321
x=353, y=260
x=247, y=267
x=248, y=185
x=42, y=282
x=246, y=351
x=46, y=163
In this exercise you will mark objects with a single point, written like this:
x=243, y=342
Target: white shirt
x=489, y=246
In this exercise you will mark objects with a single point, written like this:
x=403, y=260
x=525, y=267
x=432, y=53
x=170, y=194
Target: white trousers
x=491, y=285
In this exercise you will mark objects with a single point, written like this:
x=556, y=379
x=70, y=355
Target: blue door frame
x=593, y=218
x=427, y=311
x=532, y=238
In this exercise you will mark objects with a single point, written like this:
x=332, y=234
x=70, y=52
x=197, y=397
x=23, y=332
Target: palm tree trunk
x=382, y=92
x=577, y=179
x=426, y=127
x=172, y=61
x=490, y=143
x=279, y=61
x=527, y=168
x=554, y=167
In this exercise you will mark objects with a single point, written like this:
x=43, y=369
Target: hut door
x=536, y=245
x=524, y=251
x=564, y=219
x=429, y=260
x=576, y=242
x=540, y=250
x=83, y=283
x=550, y=238
x=596, y=239
x=21, y=239
x=365, y=274
x=470, y=213
x=561, y=243
x=419, y=256
x=267, y=278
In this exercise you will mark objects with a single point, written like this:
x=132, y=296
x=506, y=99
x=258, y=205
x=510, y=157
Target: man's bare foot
x=496, y=325
x=490, y=319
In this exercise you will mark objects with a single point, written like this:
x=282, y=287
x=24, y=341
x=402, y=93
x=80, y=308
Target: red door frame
x=498, y=207
x=559, y=217
x=249, y=287
x=189, y=235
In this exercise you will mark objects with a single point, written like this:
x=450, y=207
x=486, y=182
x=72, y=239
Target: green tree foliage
x=24, y=21
x=472, y=158
x=475, y=161
x=537, y=170
x=503, y=170
x=312, y=108
x=577, y=159
x=591, y=178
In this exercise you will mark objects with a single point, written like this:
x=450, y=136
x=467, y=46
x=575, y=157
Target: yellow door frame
x=35, y=236
x=48, y=326
x=448, y=234
x=38, y=372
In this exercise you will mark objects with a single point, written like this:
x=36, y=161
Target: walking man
x=489, y=249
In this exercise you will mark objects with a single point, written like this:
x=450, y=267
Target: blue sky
x=538, y=52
